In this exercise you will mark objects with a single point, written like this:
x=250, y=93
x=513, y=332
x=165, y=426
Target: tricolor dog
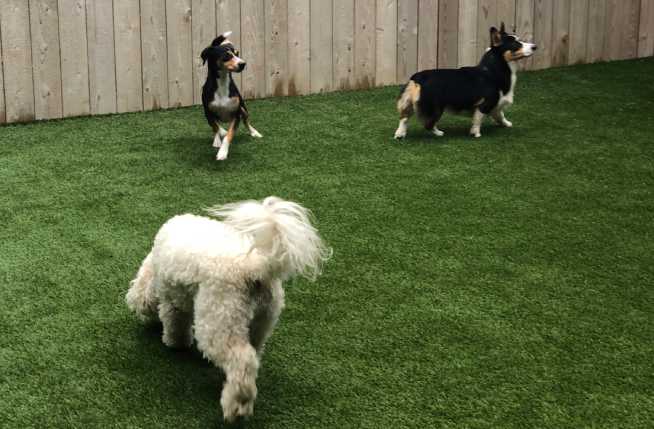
x=486, y=89
x=220, y=97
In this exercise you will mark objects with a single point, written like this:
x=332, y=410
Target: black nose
x=241, y=66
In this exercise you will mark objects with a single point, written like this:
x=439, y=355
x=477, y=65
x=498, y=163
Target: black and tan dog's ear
x=502, y=28
x=495, y=36
x=220, y=39
x=205, y=54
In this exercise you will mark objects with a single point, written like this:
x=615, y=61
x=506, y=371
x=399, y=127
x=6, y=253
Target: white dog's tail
x=281, y=228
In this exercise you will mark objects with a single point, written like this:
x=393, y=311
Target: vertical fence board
x=129, y=78
x=543, y=10
x=622, y=29
x=253, y=43
x=560, y=29
x=646, y=29
x=3, y=116
x=74, y=58
x=467, y=45
x=629, y=33
x=228, y=18
x=180, y=47
x=524, y=17
x=155, y=56
x=578, y=31
x=364, y=44
x=44, y=25
x=101, y=56
x=506, y=14
x=17, y=61
x=299, y=47
x=385, y=42
x=487, y=18
x=321, y=45
x=276, y=17
x=427, y=34
x=203, y=31
x=343, y=60
x=597, y=29
x=448, y=30
x=407, y=39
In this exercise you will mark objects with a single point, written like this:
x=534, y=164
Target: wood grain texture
x=299, y=47
x=74, y=58
x=578, y=31
x=17, y=61
x=180, y=53
x=3, y=115
x=467, y=40
x=560, y=32
x=101, y=56
x=506, y=14
x=646, y=29
x=597, y=28
x=427, y=34
x=364, y=44
x=407, y=39
x=276, y=17
x=621, y=40
x=524, y=16
x=44, y=25
x=155, y=54
x=543, y=10
x=386, y=42
x=448, y=30
x=486, y=18
x=203, y=31
x=321, y=45
x=253, y=48
x=129, y=77
x=228, y=18
x=343, y=49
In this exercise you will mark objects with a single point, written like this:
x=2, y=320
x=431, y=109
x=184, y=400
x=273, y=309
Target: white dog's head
x=283, y=231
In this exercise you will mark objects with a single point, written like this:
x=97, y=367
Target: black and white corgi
x=220, y=97
x=486, y=89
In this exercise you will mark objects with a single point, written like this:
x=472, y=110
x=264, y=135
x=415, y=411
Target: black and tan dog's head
x=509, y=45
x=222, y=55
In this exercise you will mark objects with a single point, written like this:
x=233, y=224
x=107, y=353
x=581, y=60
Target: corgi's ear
x=495, y=36
x=220, y=39
x=502, y=28
x=205, y=54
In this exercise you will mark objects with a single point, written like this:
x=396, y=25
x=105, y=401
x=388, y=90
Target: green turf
x=501, y=282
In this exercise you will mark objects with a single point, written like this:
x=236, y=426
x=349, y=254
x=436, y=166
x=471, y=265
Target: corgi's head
x=509, y=45
x=222, y=55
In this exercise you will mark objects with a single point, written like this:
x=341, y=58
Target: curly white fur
x=221, y=282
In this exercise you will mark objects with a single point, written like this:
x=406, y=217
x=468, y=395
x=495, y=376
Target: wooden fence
x=64, y=58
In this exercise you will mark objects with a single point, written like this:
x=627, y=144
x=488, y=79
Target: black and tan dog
x=220, y=97
x=486, y=89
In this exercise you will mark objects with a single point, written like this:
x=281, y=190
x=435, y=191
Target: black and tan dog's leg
x=219, y=133
x=227, y=140
x=477, y=118
x=498, y=116
x=246, y=120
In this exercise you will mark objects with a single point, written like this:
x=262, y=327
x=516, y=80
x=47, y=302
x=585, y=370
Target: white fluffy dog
x=221, y=282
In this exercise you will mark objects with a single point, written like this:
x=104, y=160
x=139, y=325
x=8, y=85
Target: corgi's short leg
x=477, y=118
x=498, y=116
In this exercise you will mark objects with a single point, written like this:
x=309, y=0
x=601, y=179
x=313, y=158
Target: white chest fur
x=507, y=99
x=222, y=104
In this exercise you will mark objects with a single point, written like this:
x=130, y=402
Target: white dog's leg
x=262, y=326
x=222, y=316
x=141, y=297
x=477, y=118
x=498, y=116
x=177, y=326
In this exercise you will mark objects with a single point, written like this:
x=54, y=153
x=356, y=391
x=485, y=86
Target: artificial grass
x=499, y=282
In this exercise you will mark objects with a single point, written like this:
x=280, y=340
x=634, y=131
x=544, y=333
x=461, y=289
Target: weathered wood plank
x=253, y=48
x=646, y=29
x=203, y=29
x=486, y=18
x=622, y=34
x=276, y=17
x=321, y=45
x=597, y=28
x=386, y=42
x=364, y=44
x=543, y=10
x=343, y=50
x=299, y=47
x=506, y=14
x=560, y=32
x=17, y=61
x=228, y=18
x=524, y=16
x=629, y=33
x=578, y=31
x=467, y=44
x=180, y=53
x=448, y=30
x=101, y=56
x=46, y=61
x=407, y=39
x=74, y=58
x=155, y=54
x=129, y=77
x=3, y=115
x=427, y=34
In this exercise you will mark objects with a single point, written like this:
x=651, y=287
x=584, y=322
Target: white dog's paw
x=237, y=403
x=507, y=123
x=475, y=133
x=437, y=132
x=254, y=133
x=222, y=154
x=400, y=134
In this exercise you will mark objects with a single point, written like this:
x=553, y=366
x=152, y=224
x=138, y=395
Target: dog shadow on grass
x=453, y=133
x=198, y=152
